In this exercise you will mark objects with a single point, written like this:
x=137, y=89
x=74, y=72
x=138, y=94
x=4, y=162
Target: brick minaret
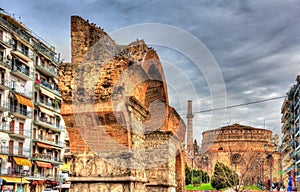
x=190, y=134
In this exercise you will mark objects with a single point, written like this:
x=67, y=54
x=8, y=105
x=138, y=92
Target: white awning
x=47, y=111
x=48, y=93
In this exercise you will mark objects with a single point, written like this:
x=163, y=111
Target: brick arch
x=152, y=66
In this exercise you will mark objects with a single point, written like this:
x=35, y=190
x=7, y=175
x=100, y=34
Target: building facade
x=31, y=128
x=250, y=152
x=291, y=134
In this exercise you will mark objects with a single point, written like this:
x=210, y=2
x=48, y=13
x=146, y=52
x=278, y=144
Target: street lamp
x=205, y=161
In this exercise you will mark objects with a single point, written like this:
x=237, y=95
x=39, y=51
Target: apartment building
x=290, y=149
x=32, y=131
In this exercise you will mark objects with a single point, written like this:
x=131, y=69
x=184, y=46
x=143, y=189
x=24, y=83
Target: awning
x=4, y=136
x=44, y=145
x=3, y=156
x=58, y=98
x=22, y=161
x=65, y=167
x=24, y=100
x=14, y=179
x=48, y=93
x=47, y=111
x=43, y=164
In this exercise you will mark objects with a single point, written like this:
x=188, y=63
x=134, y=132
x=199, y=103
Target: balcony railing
x=22, y=70
x=20, y=151
x=48, y=53
x=4, y=105
x=53, y=88
x=48, y=122
x=4, y=149
x=4, y=62
x=24, y=54
x=49, y=140
x=47, y=157
x=4, y=82
x=15, y=29
x=22, y=111
x=50, y=105
x=19, y=131
x=49, y=70
x=22, y=90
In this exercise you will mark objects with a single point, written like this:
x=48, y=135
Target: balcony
x=47, y=70
x=4, y=106
x=47, y=53
x=22, y=91
x=4, y=150
x=24, y=113
x=23, y=54
x=47, y=124
x=50, y=87
x=48, y=140
x=19, y=151
x=297, y=102
x=46, y=157
x=19, y=132
x=50, y=105
x=4, y=84
x=22, y=72
x=5, y=63
x=5, y=43
x=15, y=30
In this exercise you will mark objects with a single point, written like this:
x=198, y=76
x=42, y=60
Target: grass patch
x=251, y=187
x=203, y=186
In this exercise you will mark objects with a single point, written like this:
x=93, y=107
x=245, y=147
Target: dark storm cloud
x=255, y=43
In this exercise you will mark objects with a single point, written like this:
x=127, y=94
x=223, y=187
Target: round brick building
x=249, y=151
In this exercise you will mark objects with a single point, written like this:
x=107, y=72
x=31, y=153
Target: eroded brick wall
x=116, y=110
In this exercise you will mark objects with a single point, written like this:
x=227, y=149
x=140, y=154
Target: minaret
x=190, y=134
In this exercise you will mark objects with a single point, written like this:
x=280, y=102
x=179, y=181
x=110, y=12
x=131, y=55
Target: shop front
x=14, y=184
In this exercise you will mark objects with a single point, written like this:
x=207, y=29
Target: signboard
x=7, y=188
x=281, y=172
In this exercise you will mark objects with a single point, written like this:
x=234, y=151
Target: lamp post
x=204, y=160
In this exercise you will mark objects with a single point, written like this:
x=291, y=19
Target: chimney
x=190, y=134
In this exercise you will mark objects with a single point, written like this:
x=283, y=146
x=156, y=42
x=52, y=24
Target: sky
x=251, y=49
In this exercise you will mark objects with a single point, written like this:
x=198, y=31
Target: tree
x=199, y=176
x=223, y=177
x=188, y=175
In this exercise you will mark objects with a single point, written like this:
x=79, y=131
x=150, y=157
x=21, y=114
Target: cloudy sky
x=254, y=46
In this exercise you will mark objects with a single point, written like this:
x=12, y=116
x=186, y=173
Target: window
x=21, y=128
x=20, y=150
x=24, y=50
x=11, y=147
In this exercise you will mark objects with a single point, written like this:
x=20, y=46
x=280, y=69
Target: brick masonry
x=123, y=134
